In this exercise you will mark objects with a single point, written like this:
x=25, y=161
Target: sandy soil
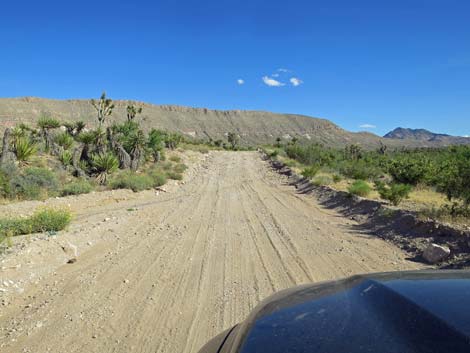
x=165, y=272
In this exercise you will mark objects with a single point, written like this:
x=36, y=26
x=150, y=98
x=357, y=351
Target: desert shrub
x=64, y=140
x=273, y=154
x=33, y=183
x=175, y=159
x=359, y=188
x=360, y=169
x=311, y=154
x=43, y=220
x=322, y=180
x=158, y=177
x=76, y=188
x=310, y=171
x=166, y=166
x=337, y=178
x=48, y=219
x=4, y=184
x=130, y=180
x=395, y=193
x=180, y=168
x=174, y=175
x=411, y=169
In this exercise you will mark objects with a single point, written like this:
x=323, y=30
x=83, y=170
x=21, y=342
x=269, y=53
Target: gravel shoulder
x=165, y=272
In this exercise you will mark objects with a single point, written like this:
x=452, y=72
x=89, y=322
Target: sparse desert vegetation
x=434, y=181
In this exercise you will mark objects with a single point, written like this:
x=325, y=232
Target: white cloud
x=283, y=70
x=367, y=126
x=466, y=135
x=272, y=82
x=296, y=81
x=275, y=75
x=240, y=81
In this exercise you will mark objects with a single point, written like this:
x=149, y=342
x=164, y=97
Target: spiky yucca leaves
x=104, y=164
x=45, y=124
x=64, y=140
x=100, y=140
x=74, y=128
x=155, y=144
x=104, y=107
x=66, y=157
x=132, y=112
x=137, y=143
x=24, y=149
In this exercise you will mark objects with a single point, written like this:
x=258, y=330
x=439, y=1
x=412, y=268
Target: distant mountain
x=253, y=127
x=425, y=136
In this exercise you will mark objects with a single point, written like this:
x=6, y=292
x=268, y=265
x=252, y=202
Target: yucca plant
x=100, y=140
x=46, y=124
x=24, y=149
x=64, y=140
x=66, y=157
x=104, y=164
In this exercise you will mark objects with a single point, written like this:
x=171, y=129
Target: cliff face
x=254, y=127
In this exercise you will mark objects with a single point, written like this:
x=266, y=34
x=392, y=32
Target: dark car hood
x=391, y=312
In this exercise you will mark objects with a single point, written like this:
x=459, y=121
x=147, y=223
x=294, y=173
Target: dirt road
x=179, y=267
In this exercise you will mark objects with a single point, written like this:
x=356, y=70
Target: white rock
x=434, y=253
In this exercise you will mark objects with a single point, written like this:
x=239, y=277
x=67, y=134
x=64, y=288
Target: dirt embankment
x=166, y=272
x=404, y=228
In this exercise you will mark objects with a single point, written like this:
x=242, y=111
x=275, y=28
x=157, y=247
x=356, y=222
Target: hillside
x=423, y=135
x=252, y=126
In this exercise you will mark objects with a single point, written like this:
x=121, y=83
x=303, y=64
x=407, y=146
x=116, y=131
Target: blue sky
x=377, y=62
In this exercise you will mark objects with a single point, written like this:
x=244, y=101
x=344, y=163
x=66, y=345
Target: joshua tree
x=132, y=112
x=155, y=144
x=233, y=139
x=137, y=142
x=104, y=107
x=6, y=153
x=382, y=149
x=87, y=139
x=353, y=152
x=278, y=142
x=46, y=124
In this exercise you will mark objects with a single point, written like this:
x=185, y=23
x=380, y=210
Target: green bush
x=43, y=220
x=361, y=170
x=395, y=193
x=359, y=188
x=175, y=159
x=64, y=140
x=180, y=168
x=158, y=177
x=321, y=180
x=77, y=188
x=337, y=178
x=166, y=166
x=33, y=183
x=4, y=184
x=174, y=175
x=130, y=180
x=411, y=169
x=310, y=172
